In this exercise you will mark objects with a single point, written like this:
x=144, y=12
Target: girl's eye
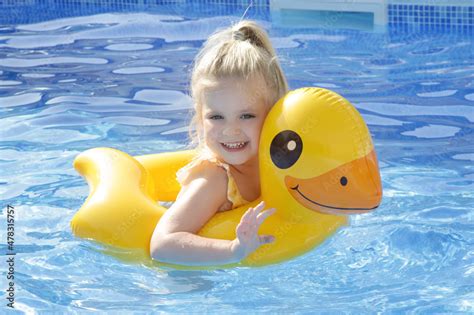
x=215, y=117
x=248, y=116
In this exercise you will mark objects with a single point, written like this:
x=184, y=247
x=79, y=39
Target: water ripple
x=26, y=63
x=20, y=100
x=433, y=131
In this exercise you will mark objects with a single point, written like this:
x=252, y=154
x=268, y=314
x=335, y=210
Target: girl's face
x=232, y=114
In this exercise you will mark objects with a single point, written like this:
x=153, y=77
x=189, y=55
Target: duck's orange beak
x=354, y=187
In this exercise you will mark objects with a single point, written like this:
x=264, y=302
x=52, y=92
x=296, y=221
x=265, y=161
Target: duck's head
x=316, y=152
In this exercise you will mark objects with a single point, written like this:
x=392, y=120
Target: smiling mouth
x=234, y=146
x=327, y=206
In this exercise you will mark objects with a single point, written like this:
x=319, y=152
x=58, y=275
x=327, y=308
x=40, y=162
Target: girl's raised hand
x=248, y=239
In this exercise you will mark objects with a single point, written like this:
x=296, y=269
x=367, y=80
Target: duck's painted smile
x=331, y=207
x=354, y=187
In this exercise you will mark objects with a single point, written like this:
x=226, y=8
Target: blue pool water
x=119, y=79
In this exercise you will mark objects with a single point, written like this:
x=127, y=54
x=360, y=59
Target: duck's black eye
x=343, y=181
x=286, y=149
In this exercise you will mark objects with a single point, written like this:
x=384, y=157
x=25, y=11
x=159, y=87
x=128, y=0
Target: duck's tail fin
x=121, y=209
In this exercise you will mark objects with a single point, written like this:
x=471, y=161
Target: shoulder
x=202, y=169
x=205, y=180
x=202, y=193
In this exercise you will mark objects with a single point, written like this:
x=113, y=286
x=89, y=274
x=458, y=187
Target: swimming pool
x=77, y=77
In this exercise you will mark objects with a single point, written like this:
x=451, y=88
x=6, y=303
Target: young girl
x=235, y=81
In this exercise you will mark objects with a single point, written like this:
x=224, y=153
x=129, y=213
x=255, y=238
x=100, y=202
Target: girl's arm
x=174, y=239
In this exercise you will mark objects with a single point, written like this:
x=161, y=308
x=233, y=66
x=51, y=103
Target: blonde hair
x=243, y=50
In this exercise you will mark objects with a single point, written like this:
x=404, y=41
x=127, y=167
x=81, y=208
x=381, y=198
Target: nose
x=231, y=130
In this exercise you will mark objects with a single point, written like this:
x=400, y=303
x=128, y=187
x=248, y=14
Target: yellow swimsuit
x=234, y=198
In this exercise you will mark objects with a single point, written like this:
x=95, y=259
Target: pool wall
x=444, y=16
x=455, y=18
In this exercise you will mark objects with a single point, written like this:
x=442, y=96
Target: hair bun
x=248, y=32
x=238, y=35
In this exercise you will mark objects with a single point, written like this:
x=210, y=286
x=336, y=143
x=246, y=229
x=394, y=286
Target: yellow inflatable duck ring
x=317, y=164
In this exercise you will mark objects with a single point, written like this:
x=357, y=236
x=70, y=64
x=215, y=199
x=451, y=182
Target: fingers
x=252, y=219
x=247, y=215
x=251, y=214
x=258, y=208
x=247, y=229
x=265, y=214
x=254, y=216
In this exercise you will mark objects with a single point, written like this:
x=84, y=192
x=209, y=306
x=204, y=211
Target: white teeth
x=234, y=145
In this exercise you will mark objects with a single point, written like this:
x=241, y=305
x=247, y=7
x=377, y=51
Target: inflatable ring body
x=317, y=164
